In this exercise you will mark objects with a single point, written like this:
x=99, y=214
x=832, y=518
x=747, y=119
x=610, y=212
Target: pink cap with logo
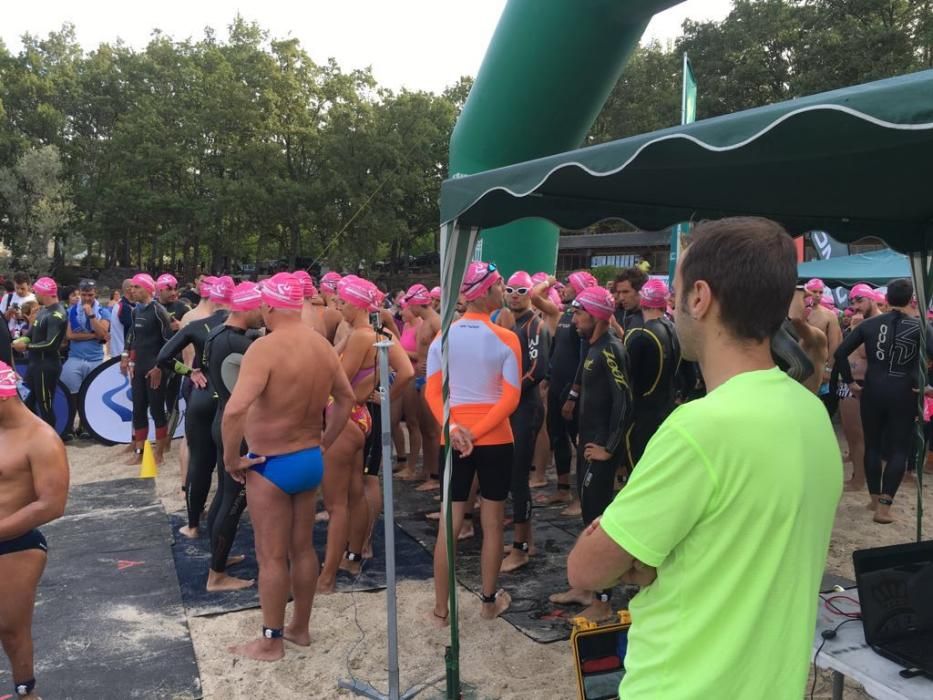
x=479, y=279
x=361, y=293
x=142, y=279
x=204, y=288
x=45, y=286
x=245, y=297
x=539, y=277
x=7, y=380
x=282, y=291
x=166, y=281
x=597, y=302
x=417, y=295
x=436, y=293
x=222, y=290
x=815, y=285
x=520, y=279
x=581, y=280
x=555, y=299
x=862, y=291
x=307, y=284
x=654, y=294
x=329, y=282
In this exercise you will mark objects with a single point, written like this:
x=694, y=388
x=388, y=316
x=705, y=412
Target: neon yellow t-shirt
x=733, y=502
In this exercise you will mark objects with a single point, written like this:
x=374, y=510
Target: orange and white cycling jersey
x=485, y=366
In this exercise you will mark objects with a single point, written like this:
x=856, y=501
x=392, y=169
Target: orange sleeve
x=434, y=395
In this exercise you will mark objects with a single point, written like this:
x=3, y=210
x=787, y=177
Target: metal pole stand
x=358, y=687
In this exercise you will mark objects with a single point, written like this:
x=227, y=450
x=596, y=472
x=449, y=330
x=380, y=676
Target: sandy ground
x=497, y=661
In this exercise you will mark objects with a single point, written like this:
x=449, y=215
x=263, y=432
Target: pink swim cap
x=597, y=302
x=222, y=290
x=245, y=297
x=8, y=378
x=654, y=294
x=479, y=278
x=554, y=296
x=581, y=280
x=282, y=291
x=166, y=281
x=436, y=293
x=815, y=285
x=520, y=279
x=417, y=295
x=361, y=293
x=329, y=282
x=140, y=279
x=307, y=284
x=862, y=291
x=45, y=286
x=539, y=277
x=204, y=289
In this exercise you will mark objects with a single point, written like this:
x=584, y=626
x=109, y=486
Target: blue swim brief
x=294, y=472
x=420, y=382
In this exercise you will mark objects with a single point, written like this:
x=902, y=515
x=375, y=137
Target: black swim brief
x=31, y=540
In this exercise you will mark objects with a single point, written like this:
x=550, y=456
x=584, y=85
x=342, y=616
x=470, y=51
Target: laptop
x=895, y=588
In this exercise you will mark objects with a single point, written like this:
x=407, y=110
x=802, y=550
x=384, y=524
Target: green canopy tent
x=876, y=267
x=850, y=161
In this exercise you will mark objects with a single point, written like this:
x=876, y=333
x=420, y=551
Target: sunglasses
x=517, y=290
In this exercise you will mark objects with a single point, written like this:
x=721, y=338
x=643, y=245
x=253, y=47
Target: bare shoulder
x=43, y=443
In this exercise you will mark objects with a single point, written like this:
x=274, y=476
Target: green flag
x=688, y=113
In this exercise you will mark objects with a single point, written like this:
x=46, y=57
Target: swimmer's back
x=288, y=415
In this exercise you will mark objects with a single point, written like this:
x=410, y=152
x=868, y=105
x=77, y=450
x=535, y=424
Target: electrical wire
x=826, y=638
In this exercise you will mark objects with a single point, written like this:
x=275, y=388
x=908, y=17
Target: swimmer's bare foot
x=368, y=550
x=436, y=515
x=854, y=486
x=492, y=610
x=134, y=461
x=538, y=483
x=429, y=485
x=573, y=510
x=553, y=499
x=440, y=621
x=574, y=596
x=301, y=637
x=872, y=504
x=326, y=585
x=351, y=567
x=406, y=474
x=883, y=513
x=235, y=559
x=515, y=560
x=508, y=549
x=190, y=532
x=218, y=582
x=598, y=611
x=466, y=530
x=260, y=649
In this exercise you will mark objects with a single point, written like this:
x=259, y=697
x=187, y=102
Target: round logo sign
x=106, y=406
x=64, y=412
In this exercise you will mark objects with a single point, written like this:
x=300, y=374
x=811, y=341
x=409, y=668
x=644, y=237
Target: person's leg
x=492, y=468
x=461, y=478
x=398, y=435
x=49, y=371
x=358, y=512
x=232, y=495
x=72, y=376
x=156, y=399
x=871, y=411
x=596, y=493
x=430, y=437
x=338, y=461
x=412, y=411
x=852, y=428
x=900, y=424
x=202, y=456
x=542, y=457
x=140, y=393
x=19, y=576
x=304, y=567
x=372, y=492
x=524, y=430
x=272, y=525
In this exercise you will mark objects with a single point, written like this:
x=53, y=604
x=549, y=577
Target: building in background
x=614, y=249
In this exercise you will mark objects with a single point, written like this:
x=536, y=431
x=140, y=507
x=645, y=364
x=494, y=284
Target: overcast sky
x=420, y=44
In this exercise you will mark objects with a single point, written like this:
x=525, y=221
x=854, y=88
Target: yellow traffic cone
x=148, y=468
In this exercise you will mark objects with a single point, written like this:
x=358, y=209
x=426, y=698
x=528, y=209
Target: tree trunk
x=294, y=242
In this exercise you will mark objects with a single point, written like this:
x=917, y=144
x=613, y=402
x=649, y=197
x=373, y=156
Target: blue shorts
x=420, y=382
x=294, y=472
x=31, y=540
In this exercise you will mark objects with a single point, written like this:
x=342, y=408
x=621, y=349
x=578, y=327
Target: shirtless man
x=825, y=321
x=33, y=492
x=314, y=313
x=811, y=339
x=418, y=299
x=278, y=406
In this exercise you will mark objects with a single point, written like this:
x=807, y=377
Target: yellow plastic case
x=589, y=641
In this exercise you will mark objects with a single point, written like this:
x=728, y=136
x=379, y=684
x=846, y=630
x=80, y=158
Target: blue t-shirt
x=88, y=350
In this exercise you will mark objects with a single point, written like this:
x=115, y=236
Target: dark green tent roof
x=877, y=267
x=850, y=162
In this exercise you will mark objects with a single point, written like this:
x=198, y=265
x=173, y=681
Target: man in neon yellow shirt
x=727, y=517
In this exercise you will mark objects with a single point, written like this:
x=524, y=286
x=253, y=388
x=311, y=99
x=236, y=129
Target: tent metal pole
x=920, y=269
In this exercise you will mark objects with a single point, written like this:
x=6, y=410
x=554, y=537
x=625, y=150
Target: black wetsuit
x=6, y=344
x=605, y=414
x=526, y=421
x=199, y=415
x=230, y=497
x=151, y=329
x=888, y=405
x=629, y=319
x=654, y=362
x=45, y=364
x=566, y=351
x=171, y=381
